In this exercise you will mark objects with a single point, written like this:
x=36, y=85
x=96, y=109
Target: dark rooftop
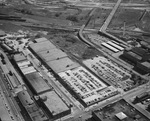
x=119, y=111
x=37, y=82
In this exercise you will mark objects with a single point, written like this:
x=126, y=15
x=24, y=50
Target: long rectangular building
x=115, y=45
x=62, y=64
x=37, y=83
x=110, y=47
x=42, y=46
x=52, y=54
x=55, y=58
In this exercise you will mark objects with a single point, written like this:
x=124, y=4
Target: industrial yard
x=74, y=60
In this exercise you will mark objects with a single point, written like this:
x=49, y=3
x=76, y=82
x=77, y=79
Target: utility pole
x=124, y=25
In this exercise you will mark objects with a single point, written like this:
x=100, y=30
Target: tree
x=72, y=18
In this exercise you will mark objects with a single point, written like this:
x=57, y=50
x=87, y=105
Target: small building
x=143, y=67
x=52, y=54
x=41, y=39
x=25, y=98
x=121, y=116
x=19, y=57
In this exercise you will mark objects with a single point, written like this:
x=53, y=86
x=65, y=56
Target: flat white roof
x=41, y=39
x=42, y=46
x=52, y=54
x=110, y=47
x=62, y=64
x=28, y=70
x=115, y=45
x=23, y=63
x=147, y=64
x=54, y=103
x=121, y=115
x=19, y=57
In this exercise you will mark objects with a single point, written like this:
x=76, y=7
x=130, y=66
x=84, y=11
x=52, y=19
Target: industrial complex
x=74, y=60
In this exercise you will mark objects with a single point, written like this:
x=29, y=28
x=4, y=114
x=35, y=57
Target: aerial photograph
x=74, y=60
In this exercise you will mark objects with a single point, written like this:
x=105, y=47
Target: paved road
x=130, y=96
x=6, y=112
x=10, y=105
x=110, y=5
x=108, y=20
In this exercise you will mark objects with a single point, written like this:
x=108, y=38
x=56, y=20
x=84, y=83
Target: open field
x=98, y=18
x=9, y=27
x=136, y=1
x=60, y=15
x=73, y=45
x=132, y=19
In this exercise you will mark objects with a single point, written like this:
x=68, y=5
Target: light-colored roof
x=121, y=115
x=42, y=46
x=41, y=39
x=25, y=98
x=147, y=64
x=62, y=64
x=135, y=55
x=37, y=82
x=54, y=103
x=27, y=70
x=52, y=54
x=19, y=57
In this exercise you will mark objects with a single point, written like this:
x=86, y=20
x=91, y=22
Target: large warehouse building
x=55, y=58
x=136, y=54
x=54, y=105
x=33, y=78
x=140, y=58
x=37, y=83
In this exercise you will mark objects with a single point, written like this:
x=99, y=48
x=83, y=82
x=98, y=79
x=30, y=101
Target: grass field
x=74, y=46
x=136, y=1
x=131, y=17
x=98, y=18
